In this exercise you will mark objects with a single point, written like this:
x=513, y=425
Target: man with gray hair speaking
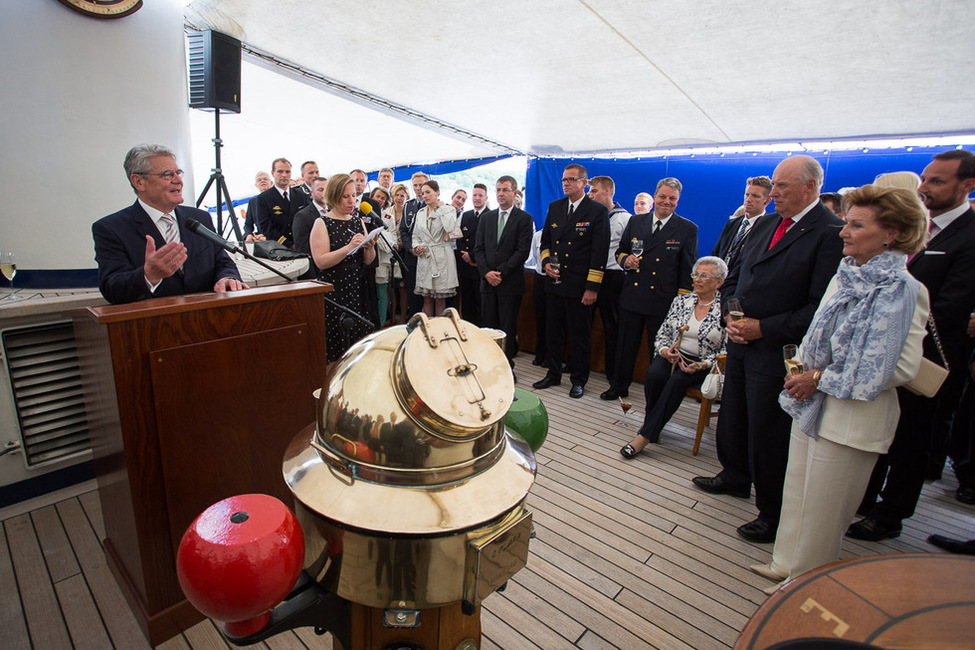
x=146, y=250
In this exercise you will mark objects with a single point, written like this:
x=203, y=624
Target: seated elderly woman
x=864, y=341
x=686, y=344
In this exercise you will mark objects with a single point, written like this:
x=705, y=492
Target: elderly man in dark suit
x=146, y=250
x=501, y=246
x=785, y=267
x=576, y=232
x=653, y=278
x=277, y=207
x=733, y=235
x=947, y=268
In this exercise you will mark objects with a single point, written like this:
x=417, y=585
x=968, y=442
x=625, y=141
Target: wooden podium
x=191, y=400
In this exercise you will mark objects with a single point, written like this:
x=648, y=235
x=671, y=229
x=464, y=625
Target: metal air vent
x=42, y=365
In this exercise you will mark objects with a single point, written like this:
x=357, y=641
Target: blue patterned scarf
x=857, y=336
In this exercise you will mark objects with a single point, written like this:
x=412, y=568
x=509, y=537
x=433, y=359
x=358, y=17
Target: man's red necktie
x=780, y=231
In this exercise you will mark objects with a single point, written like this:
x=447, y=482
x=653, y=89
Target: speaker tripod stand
x=217, y=179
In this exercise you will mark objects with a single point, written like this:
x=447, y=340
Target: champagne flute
x=553, y=262
x=8, y=266
x=735, y=312
x=793, y=364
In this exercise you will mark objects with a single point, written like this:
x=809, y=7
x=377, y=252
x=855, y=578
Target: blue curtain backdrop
x=713, y=184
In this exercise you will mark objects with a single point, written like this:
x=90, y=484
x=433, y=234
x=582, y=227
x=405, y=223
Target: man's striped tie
x=172, y=233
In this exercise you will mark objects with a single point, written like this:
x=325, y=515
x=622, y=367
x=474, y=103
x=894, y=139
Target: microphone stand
x=392, y=249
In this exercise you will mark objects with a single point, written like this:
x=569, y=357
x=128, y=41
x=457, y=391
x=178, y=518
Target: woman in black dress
x=332, y=239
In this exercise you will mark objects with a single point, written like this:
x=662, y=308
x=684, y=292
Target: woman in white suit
x=864, y=341
x=436, y=265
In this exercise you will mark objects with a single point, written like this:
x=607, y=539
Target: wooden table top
x=911, y=600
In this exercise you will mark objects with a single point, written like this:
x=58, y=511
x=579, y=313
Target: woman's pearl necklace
x=705, y=304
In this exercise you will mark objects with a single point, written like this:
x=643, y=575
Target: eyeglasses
x=572, y=180
x=166, y=175
x=704, y=276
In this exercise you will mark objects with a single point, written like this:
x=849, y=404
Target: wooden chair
x=706, y=413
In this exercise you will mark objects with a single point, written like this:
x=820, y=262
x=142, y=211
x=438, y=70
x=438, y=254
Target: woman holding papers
x=333, y=240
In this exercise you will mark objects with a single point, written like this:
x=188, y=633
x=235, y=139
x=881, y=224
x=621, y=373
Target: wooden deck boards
x=628, y=554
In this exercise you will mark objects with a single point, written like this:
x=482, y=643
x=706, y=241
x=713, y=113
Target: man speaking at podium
x=141, y=250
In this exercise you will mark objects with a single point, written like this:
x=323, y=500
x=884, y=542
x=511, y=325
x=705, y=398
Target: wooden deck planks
x=628, y=554
x=41, y=609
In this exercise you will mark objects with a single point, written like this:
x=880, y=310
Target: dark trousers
x=898, y=475
x=501, y=311
x=962, y=448
x=539, y=300
x=608, y=304
x=568, y=313
x=470, y=298
x=948, y=401
x=753, y=431
x=664, y=391
x=632, y=326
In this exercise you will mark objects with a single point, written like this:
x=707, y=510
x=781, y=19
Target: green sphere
x=527, y=418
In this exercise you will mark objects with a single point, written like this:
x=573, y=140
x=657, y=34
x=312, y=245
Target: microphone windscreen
x=365, y=208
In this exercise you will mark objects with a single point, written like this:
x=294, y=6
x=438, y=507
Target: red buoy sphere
x=239, y=559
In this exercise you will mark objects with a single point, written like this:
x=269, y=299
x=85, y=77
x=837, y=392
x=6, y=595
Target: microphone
x=198, y=228
x=365, y=209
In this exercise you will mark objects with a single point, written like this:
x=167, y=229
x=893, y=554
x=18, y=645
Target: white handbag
x=713, y=383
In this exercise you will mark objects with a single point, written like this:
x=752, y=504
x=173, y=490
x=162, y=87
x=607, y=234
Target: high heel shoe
x=628, y=452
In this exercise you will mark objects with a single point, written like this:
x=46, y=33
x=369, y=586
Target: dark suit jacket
x=581, y=244
x=782, y=287
x=250, y=219
x=120, y=251
x=506, y=255
x=727, y=238
x=406, y=230
x=468, y=226
x=665, y=266
x=947, y=268
x=274, y=216
x=301, y=228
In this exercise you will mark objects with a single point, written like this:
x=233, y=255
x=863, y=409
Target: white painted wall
x=77, y=93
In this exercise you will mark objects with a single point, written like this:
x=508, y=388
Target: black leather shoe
x=546, y=382
x=613, y=393
x=953, y=545
x=576, y=391
x=758, y=531
x=536, y=362
x=871, y=530
x=628, y=452
x=966, y=495
x=717, y=485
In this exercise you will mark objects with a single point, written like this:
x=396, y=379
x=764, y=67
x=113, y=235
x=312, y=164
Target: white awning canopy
x=554, y=77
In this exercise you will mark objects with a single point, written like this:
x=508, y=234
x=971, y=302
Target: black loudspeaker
x=214, y=71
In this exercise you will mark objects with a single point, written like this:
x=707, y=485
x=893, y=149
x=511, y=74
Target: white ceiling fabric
x=572, y=76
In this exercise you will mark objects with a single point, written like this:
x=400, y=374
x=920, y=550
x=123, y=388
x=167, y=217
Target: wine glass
x=793, y=364
x=636, y=247
x=8, y=266
x=735, y=312
x=553, y=262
